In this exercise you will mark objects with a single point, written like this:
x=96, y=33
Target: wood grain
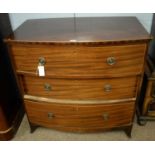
x=80, y=89
x=84, y=29
x=79, y=116
x=80, y=61
x=67, y=101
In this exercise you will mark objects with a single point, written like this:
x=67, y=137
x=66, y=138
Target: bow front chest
x=80, y=74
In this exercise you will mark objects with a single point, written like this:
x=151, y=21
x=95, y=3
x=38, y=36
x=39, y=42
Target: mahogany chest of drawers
x=80, y=74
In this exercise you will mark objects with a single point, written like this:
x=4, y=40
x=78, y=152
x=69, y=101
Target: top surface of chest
x=87, y=29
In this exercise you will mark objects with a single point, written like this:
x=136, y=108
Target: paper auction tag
x=41, y=70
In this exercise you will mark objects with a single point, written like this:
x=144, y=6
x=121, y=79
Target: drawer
x=84, y=116
x=114, y=88
x=80, y=61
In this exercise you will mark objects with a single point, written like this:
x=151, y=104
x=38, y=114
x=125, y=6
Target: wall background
x=18, y=18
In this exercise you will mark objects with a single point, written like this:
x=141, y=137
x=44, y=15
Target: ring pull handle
x=42, y=61
x=107, y=88
x=50, y=115
x=47, y=87
x=111, y=61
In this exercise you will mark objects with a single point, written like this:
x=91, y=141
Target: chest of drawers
x=92, y=71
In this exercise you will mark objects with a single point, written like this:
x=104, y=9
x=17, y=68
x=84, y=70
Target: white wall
x=144, y=18
x=18, y=18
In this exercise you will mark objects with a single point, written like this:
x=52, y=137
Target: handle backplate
x=107, y=88
x=50, y=115
x=47, y=87
x=42, y=61
x=111, y=60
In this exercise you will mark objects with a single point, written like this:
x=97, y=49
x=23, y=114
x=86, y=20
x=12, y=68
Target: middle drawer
x=115, y=88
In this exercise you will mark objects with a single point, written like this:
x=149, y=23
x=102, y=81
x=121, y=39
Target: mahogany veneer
x=80, y=89
x=93, y=71
x=88, y=61
x=77, y=117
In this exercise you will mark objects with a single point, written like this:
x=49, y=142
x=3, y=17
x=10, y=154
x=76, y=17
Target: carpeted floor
x=140, y=133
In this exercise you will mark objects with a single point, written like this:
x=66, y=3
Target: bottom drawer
x=81, y=117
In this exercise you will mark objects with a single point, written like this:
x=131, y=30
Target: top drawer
x=79, y=60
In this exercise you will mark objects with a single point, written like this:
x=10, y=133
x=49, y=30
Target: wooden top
x=83, y=29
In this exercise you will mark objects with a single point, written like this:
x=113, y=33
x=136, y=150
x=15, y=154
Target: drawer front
x=114, y=88
x=80, y=61
x=62, y=115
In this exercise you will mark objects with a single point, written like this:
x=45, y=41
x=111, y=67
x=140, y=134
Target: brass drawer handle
x=107, y=88
x=50, y=115
x=42, y=61
x=111, y=60
x=105, y=116
x=47, y=87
